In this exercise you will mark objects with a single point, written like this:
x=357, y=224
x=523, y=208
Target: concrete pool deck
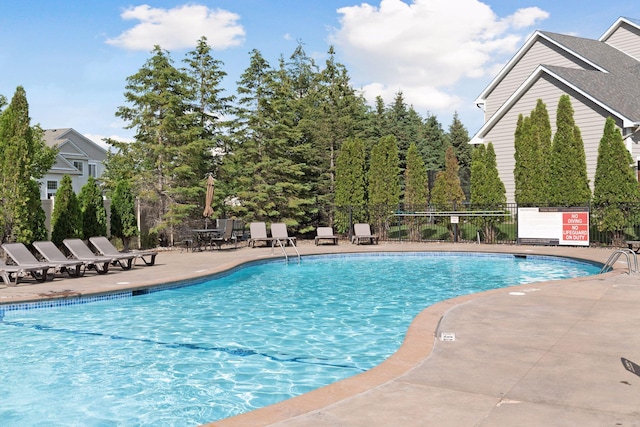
x=553, y=353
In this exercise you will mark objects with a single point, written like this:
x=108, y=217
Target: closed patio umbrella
x=208, y=210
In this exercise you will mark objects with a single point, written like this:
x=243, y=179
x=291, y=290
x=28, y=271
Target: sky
x=73, y=58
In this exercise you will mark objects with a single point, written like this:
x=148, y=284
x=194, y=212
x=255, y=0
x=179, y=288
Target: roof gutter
x=635, y=125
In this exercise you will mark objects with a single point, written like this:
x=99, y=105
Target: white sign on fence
x=553, y=226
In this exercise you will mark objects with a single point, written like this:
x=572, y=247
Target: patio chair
x=38, y=272
x=80, y=250
x=51, y=253
x=258, y=232
x=104, y=247
x=362, y=232
x=279, y=232
x=326, y=233
x=238, y=230
x=21, y=255
x=227, y=235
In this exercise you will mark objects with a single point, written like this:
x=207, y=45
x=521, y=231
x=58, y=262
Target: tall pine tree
x=533, y=157
x=447, y=193
x=66, y=219
x=569, y=185
x=123, y=215
x=416, y=191
x=459, y=139
x=23, y=156
x=615, y=193
x=350, y=184
x=94, y=215
x=384, y=181
x=487, y=190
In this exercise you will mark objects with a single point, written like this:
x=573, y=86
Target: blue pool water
x=262, y=334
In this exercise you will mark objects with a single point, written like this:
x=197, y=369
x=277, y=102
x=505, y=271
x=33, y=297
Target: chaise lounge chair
x=258, y=232
x=38, y=272
x=104, y=247
x=80, y=250
x=326, y=233
x=279, y=233
x=19, y=253
x=51, y=253
x=362, y=232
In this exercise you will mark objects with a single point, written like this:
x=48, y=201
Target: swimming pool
x=259, y=335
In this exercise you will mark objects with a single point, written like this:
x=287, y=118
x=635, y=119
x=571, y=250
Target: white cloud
x=524, y=18
x=99, y=139
x=425, y=48
x=180, y=27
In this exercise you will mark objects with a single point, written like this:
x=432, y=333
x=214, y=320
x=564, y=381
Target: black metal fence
x=469, y=223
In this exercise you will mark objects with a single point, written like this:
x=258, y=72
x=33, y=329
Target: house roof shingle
x=614, y=81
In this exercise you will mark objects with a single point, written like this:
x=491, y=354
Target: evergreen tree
x=379, y=124
x=525, y=160
x=350, y=183
x=384, y=184
x=532, y=156
x=415, y=175
x=569, y=185
x=615, y=192
x=433, y=146
x=447, y=192
x=333, y=114
x=208, y=107
x=384, y=181
x=541, y=140
x=123, y=214
x=487, y=190
x=404, y=124
x=66, y=220
x=271, y=157
x=416, y=190
x=159, y=109
x=459, y=138
x=94, y=215
x=243, y=167
x=23, y=156
x=31, y=218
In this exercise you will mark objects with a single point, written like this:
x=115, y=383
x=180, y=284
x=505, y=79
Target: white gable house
x=602, y=78
x=78, y=157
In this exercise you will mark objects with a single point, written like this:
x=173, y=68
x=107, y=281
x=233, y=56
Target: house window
x=52, y=187
x=93, y=170
x=78, y=165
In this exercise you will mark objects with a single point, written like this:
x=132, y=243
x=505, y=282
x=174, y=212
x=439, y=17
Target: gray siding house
x=78, y=157
x=602, y=77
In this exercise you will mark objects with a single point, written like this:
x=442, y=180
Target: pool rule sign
x=575, y=227
x=553, y=226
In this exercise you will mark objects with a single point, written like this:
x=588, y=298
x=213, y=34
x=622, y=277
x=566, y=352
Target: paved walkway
x=548, y=354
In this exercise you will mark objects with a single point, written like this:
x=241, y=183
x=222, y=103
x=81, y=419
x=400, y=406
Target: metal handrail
x=613, y=258
x=284, y=251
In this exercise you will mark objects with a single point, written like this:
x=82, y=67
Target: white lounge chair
x=362, y=232
x=19, y=253
x=326, y=233
x=38, y=272
x=51, y=253
x=258, y=232
x=104, y=247
x=279, y=232
x=80, y=250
